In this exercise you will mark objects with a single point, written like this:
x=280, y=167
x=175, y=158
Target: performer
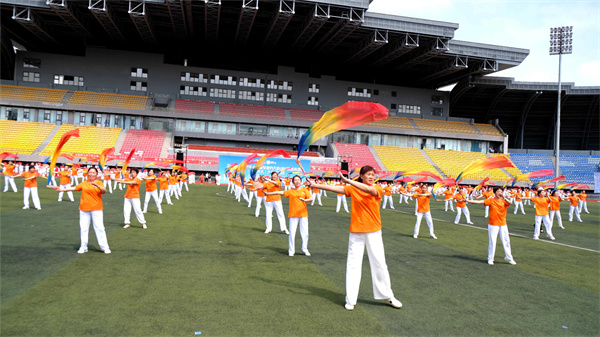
x=461, y=207
x=498, y=206
x=316, y=195
x=65, y=182
x=448, y=194
x=260, y=198
x=519, y=201
x=74, y=180
x=90, y=210
x=297, y=213
x=583, y=202
x=541, y=214
x=487, y=195
x=555, y=200
x=107, y=178
x=341, y=198
x=132, y=199
x=9, y=176
x=184, y=182
x=30, y=178
x=365, y=231
x=274, y=202
x=151, y=191
x=574, y=199
x=163, y=183
x=423, y=197
x=172, y=181
x=252, y=189
x=387, y=196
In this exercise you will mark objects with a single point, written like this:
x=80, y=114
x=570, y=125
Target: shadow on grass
x=297, y=288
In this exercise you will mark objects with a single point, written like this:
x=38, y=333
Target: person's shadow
x=334, y=297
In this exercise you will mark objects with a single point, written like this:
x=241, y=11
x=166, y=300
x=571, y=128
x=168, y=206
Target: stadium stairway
x=439, y=171
x=377, y=159
x=414, y=124
x=476, y=130
x=166, y=145
x=120, y=141
x=46, y=141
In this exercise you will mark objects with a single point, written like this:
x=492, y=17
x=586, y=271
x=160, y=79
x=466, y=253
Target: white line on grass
x=517, y=235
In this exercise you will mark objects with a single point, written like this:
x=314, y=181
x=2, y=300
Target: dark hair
x=554, y=192
x=364, y=170
x=31, y=167
x=294, y=177
x=93, y=168
x=274, y=173
x=497, y=188
x=134, y=170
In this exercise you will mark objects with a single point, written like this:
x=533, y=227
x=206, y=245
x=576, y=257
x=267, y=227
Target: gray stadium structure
x=337, y=48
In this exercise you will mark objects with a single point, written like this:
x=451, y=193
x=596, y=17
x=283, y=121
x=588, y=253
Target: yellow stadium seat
x=91, y=140
x=22, y=137
x=403, y=159
x=109, y=100
x=31, y=94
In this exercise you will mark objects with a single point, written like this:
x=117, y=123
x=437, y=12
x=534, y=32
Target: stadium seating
x=91, y=140
x=148, y=143
x=532, y=162
x=392, y=123
x=360, y=153
x=488, y=130
x=22, y=137
x=195, y=107
x=444, y=126
x=251, y=111
x=513, y=171
x=453, y=162
x=109, y=100
x=243, y=150
x=305, y=115
x=403, y=158
x=201, y=160
x=17, y=93
x=578, y=168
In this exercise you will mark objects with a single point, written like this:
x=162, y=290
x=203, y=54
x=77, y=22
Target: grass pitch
x=205, y=265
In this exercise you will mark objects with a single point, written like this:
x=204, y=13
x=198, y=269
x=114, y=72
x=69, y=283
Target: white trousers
x=173, y=191
x=9, y=181
x=259, y=200
x=97, y=218
x=152, y=194
x=135, y=203
x=547, y=224
x=341, y=199
x=317, y=197
x=428, y=219
x=487, y=211
x=294, y=222
x=558, y=217
x=504, y=237
x=387, y=198
x=185, y=183
x=583, y=206
x=69, y=193
x=527, y=202
x=34, y=196
x=250, y=196
x=165, y=194
x=459, y=211
x=380, y=275
x=108, y=185
x=576, y=210
x=53, y=180
x=517, y=204
x=74, y=180
x=405, y=198
x=269, y=206
x=448, y=203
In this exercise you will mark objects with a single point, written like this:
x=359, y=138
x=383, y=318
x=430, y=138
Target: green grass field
x=205, y=265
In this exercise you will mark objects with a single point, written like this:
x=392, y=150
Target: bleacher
x=444, y=126
x=578, y=168
x=454, y=162
x=30, y=94
x=243, y=150
x=109, y=100
x=194, y=107
x=360, y=153
x=91, y=140
x=392, y=123
x=22, y=137
x=513, y=171
x=532, y=162
x=305, y=114
x=251, y=111
x=147, y=143
x=403, y=158
x=487, y=130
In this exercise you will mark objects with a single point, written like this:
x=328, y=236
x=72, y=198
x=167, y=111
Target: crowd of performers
x=93, y=183
x=368, y=197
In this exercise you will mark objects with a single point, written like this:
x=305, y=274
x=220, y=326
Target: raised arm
x=335, y=189
x=363, y=187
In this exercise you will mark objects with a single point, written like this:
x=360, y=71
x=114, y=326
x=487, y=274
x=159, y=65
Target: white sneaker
x=490, y=262
x=126, y=226
x=267, y=231
x=349, y=307
x=470, y=223
x=82, y=250
x=456, y=223
x=144, y=211
x=25, y=207
x=306, y=252
x=286, y=231
x=144, y=226
x=290, y=254
x=433, y=236
x=536, y=238
x=107, y=251
x=415, y=236
x=160, y=211
x=394, y=303
x=551, y=237
x=510, y=261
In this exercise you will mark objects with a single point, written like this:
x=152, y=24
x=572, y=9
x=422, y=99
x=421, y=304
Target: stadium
x=210, y=82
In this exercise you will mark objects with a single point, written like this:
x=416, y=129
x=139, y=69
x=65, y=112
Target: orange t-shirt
x=270, y=187
x=387, y=190
x=106, y=175
x=74, y=172
x=460, y=200
x=9, y=169
x=65, y=177
x=260, y=193
x=172, y=180
x=343, y=185
x=582, y=196
x=133, y=191
x=448, y=195
x=423, y=203
x=91, y=196
x=31, y=182
x=574, y=200
x=365, y=216
x=184, y=177
x=297, y=206
x=541, y=205
x=163, y=183
x=150, y=183
x=554, y=203
x=518, y=196
x=497, y=211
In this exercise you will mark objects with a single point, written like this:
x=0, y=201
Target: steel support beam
x=25, y=17
x=287, y=9
x=69, y=15
x=106, y=18
x=212, y=17
x=445, y=68
x=246, y=21
x=368, y=46
x=311, y=26
x=437, y=46
x=137, y=13
x=495, y=101
x=397, y=48
x=178, y=19
x=349, y=22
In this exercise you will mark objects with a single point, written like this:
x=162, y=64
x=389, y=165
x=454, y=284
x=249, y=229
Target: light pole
x=561, y=42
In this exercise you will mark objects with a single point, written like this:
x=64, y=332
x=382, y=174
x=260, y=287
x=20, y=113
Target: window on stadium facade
x=251, y=95
x=193, y=91
x=437, y=99
x=138, y=86
x=221, y=128
x=223, y=79
x=221, y=93
x=394, y=140
x=279, y=98
x=32, y=63
x=313, y=88
x=191, y=126
x=359, y=92
x=29, y=76
x=253, y=130
x=283, y=132
x=409, y=109
x=69, y=80
x=252, y=82
x=437, y=111
x=279, y=85
x=312, y=100
x=194, y=77
x=139, y=72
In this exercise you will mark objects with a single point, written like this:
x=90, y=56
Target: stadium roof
x=326, y=37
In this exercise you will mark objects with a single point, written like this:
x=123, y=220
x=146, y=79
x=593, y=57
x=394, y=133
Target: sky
x=521, y=24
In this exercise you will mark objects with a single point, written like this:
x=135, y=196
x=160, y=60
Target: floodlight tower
x=561, y=42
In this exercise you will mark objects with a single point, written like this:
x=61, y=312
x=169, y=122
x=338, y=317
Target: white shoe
x=470, y=223
x=349, y=307
x=562, y=227
x=82, y=250
x=551, y=237
x=290, y=254
x=286, y=231
x=160, y=211
x=510, y=261
x=456, y=223
x=536, y=238
x=490, y=262
x=415, y=236
x=144, y=226
x=107, y=251
x=394, y=303
x=126, y=226
x=144, y=211
x=38, y=209
x=433, y=236
x=306, y=252
x=267, y=231
x=25, y=207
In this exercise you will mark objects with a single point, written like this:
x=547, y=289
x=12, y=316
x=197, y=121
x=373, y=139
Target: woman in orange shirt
x=461, y=207
x=498, y=205
x=542, y=202
x=30, y=178
x=574, y=199
x=260, y=198
x=9, y=176
x=583, y=202
x=151, y=192
x=297, y=213
x=365, y=231
x=90, y=210
x=555, y=200
x=316, y=196
x=387, y=196
x=423, y=197
x=65, y=181
x=448, y=197
x=132, y=199
x=274, y=202
x=341, y=199
x=163, y=185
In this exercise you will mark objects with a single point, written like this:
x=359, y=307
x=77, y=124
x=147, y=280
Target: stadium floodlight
x=561, y=42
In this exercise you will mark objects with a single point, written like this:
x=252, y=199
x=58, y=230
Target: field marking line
x=517, y=235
